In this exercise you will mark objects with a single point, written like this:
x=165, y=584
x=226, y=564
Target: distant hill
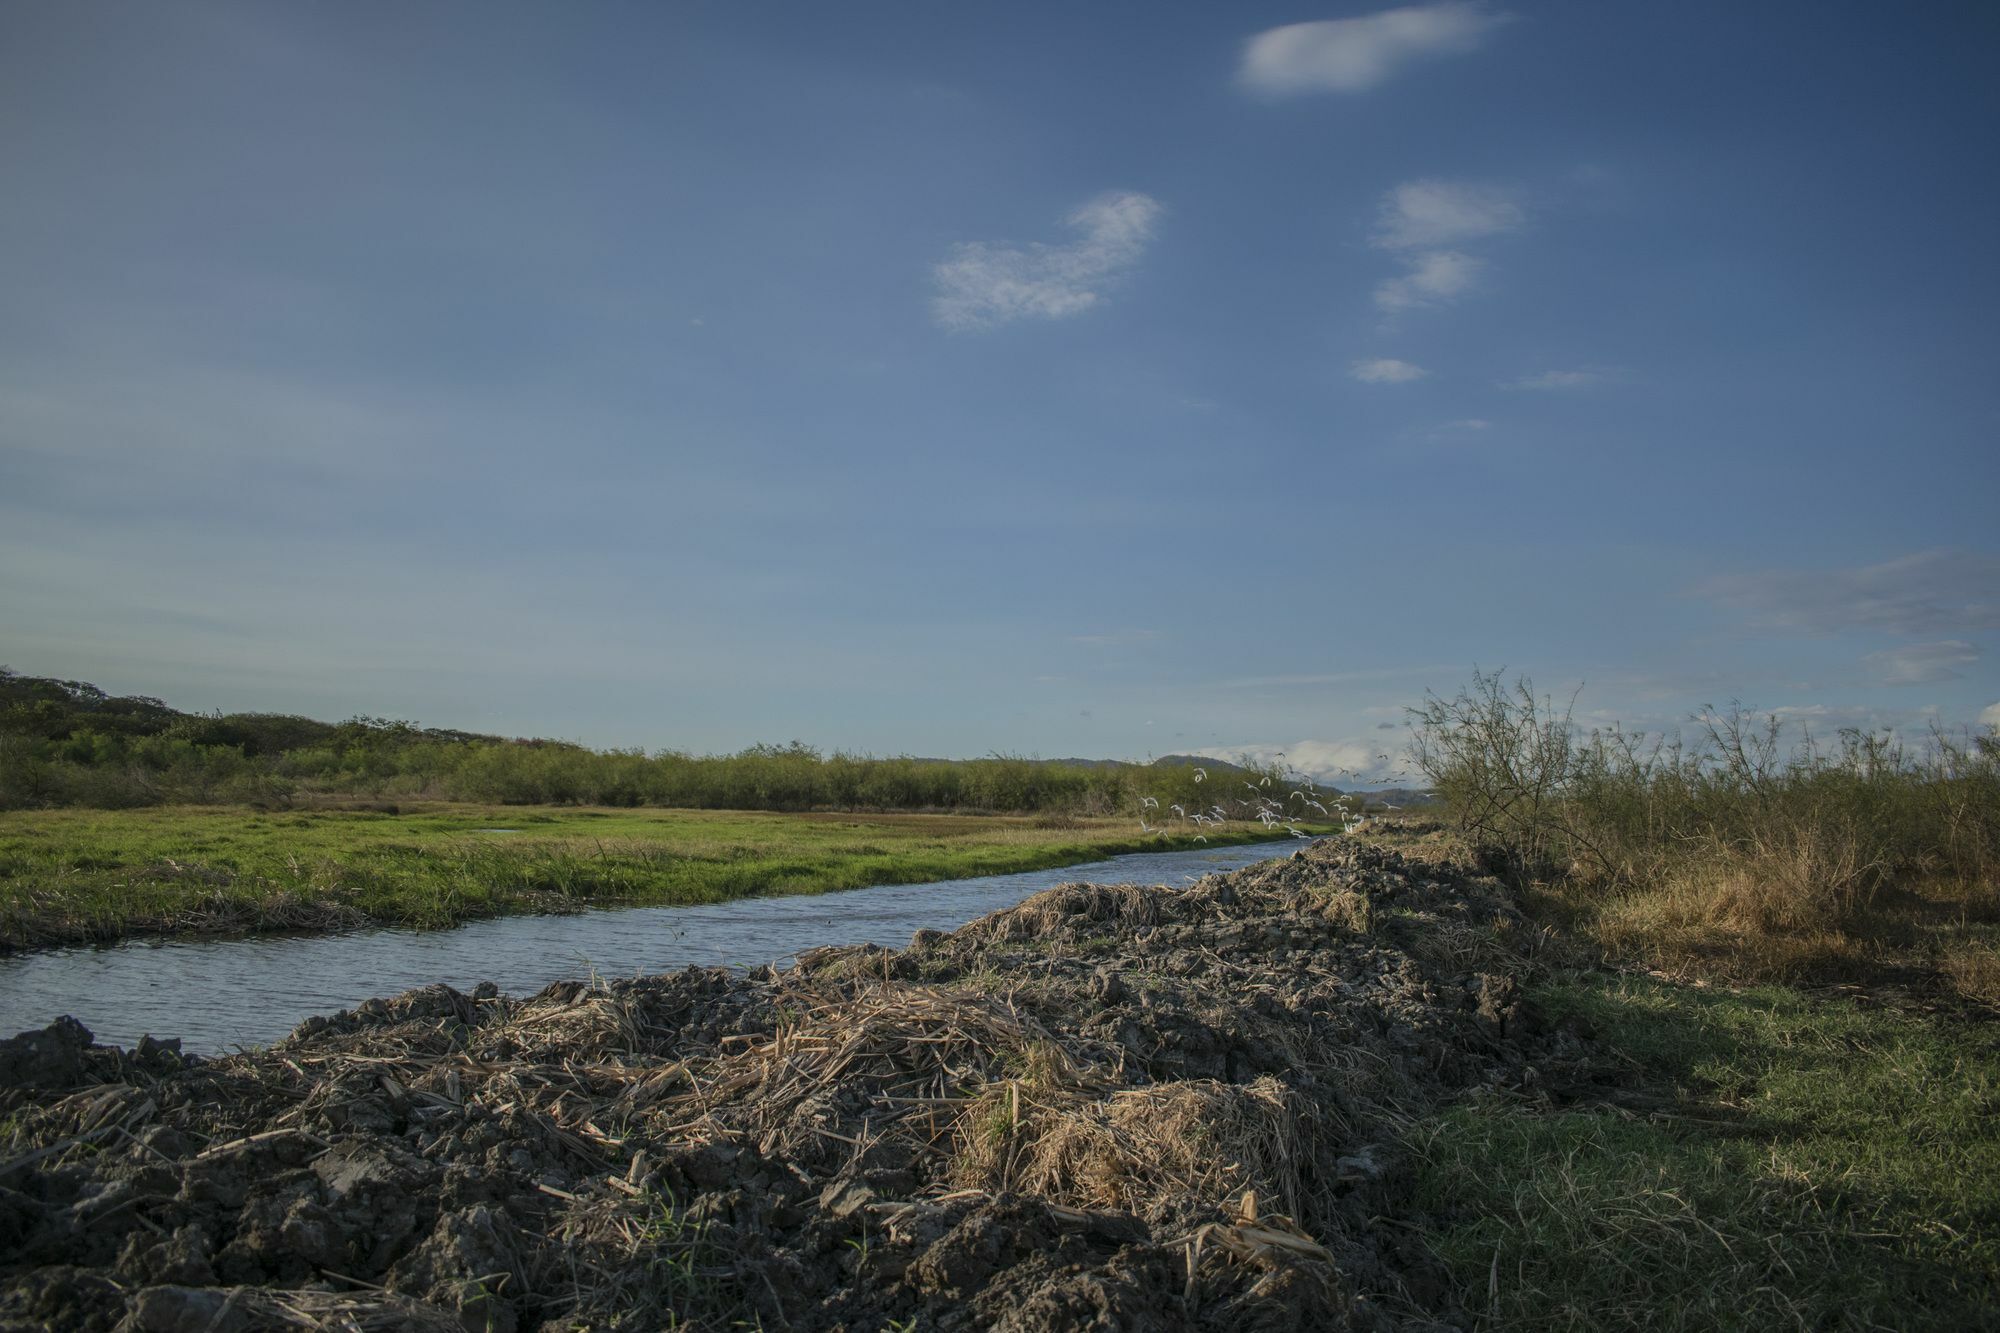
x=1198, y=761
x=1164, y=761
x=1408, y=798
x=45, y=708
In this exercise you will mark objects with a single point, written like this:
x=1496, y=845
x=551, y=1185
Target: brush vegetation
x=1745, y=853
x=75, y=876
x=68, y=743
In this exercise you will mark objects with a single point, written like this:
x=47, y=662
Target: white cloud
x=1930, y=592
x=1990, y=716
x=1562, y=379
x=1356, y=54
x=1433, y=279
x=1386, y=370
x=1421, y=220
x=985, y=283
x=1921, y=663
x=1455, y=432
x=1426, y=214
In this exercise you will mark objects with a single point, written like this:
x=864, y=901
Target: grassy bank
x=1795, y=943
x=1811, y=1163
x=71, y=876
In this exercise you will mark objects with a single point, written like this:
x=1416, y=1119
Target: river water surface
x=218, y=994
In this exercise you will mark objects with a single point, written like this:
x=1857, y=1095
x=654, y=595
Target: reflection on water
x=216, y=994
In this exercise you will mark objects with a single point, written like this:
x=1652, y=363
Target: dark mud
x=1111, y=1107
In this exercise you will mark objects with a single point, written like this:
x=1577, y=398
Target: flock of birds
x=1262, y=806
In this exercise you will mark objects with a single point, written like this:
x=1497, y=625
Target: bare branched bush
x=1504, y=761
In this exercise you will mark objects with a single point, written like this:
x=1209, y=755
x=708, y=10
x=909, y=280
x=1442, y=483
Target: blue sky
x=1096, y=380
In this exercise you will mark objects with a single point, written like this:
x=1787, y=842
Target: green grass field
x=1820, y=1163
x=70, y=876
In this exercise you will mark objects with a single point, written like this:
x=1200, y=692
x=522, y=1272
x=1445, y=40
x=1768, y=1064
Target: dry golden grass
x=1973, y=969
x=1788, y=920
x=1147, y=1151
x=1068, y=910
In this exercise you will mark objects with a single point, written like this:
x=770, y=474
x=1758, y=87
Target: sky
x=1099, y=380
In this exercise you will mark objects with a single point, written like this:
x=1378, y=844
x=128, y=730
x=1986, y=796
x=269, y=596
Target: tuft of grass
x=1972, y=968
x=653, y=1264
x=1827, y=1166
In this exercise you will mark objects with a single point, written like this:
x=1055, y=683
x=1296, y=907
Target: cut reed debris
x=1208, y=1095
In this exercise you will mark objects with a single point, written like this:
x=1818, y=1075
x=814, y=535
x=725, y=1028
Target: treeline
x=69, y=743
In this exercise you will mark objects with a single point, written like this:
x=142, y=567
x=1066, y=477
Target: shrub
x=1744, y=827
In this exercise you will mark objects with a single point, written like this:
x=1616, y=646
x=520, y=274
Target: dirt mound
x=1108, y=1107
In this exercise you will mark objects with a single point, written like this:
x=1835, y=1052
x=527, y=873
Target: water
x=219, y=994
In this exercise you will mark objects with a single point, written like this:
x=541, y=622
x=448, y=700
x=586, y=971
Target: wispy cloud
x=1921, y=663
x=1356, y=54
x=1112, y=638
x=1421, y=220
x=1824, y=719
x=1989, y=716
x=1432, y=279
x=1564, y=379
x=985, y=283
x=1425, y=214
x=1398, y=673
x=1386, y=370
x=1287, y=682
x=1930, y=592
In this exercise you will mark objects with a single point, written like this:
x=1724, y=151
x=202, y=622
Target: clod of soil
x=1111, y=1107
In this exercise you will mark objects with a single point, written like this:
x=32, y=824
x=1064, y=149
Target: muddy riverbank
x=1107, y=1107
